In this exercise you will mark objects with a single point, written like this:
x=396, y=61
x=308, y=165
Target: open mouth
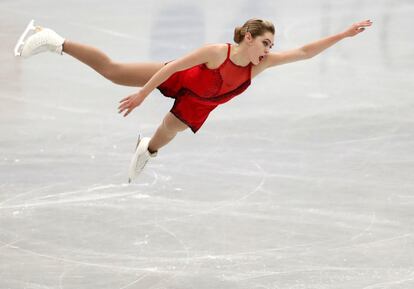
x=260, y=58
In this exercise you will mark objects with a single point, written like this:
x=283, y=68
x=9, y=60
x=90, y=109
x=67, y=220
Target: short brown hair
x=255, y=26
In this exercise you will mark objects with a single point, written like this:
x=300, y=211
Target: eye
x=267, y=44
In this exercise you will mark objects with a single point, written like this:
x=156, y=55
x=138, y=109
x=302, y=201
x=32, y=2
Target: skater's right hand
x=131, y=102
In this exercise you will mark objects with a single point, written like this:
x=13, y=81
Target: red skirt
x=199, y=90
x=188, y=107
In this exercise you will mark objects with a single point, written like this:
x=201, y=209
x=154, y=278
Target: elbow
x=170, y=67
x=305, y=54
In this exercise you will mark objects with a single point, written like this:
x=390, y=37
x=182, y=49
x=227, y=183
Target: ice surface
x=303, y=181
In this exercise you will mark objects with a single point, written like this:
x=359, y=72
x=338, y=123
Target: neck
x=239, y=54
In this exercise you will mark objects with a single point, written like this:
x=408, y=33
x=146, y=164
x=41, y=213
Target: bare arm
x=313, y=48
x=198, y=56
x=201, y=55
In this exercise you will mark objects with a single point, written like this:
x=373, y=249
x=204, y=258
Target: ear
x=248, y=38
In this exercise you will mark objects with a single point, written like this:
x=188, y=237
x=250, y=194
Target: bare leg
x=129, y=74
x=168, y=129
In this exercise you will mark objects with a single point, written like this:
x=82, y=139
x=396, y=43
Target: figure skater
x=199, y=81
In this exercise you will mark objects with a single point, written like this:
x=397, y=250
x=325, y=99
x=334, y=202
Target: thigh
x=171, y=122
x=134, y=74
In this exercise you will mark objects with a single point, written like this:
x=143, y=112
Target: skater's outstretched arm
x=313, y=48
x=201, y=55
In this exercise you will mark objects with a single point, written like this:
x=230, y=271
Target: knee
x=173, y=124
x=110, y=71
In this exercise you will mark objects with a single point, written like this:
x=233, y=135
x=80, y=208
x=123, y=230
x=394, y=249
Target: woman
x=199, y=81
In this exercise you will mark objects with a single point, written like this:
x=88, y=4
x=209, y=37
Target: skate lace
x=140, y=165
x=42, y=41
x=138, y=169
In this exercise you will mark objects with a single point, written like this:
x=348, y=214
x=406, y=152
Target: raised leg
x=168, y=129
x=129, y=74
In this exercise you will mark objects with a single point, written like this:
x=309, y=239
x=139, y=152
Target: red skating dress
x=198, y=90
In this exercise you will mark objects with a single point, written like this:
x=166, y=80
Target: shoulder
x=216, y=49
x=217, y=53
x=208, y=53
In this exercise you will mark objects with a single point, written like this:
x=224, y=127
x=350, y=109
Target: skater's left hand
x=357, y=28
x=131, y=102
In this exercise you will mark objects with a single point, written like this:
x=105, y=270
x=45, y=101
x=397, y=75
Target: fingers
x=127, y=108
x=125, y=98
x=360, y=26
x=365, y=23
x=123, y=106
x=126, y=105
x=123, y=103
x=128, y=111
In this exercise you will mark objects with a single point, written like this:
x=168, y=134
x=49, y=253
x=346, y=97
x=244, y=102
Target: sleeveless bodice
x=210, y=85
x=199, y=89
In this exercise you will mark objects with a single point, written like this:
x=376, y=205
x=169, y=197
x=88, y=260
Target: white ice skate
x=40, y=40
x=140, y=158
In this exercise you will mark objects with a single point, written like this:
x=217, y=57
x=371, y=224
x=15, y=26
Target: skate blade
x=131, y=172
x=139, y=140
x=19, y=46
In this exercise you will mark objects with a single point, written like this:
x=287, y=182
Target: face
x=259, y=47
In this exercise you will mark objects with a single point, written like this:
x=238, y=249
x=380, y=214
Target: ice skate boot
x=40, y=40
x=140, y=158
